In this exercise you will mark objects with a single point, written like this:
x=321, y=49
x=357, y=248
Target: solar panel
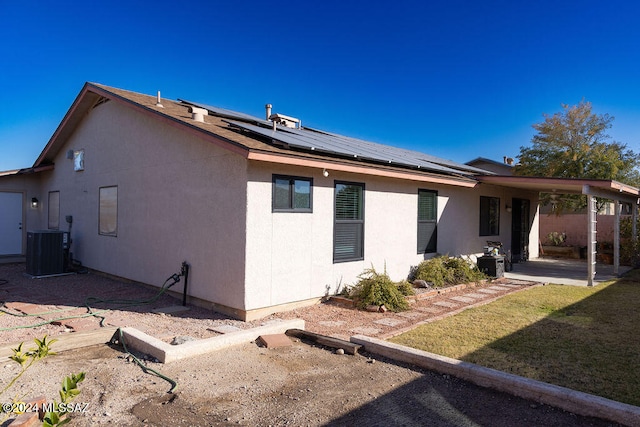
x=326, y=142
x=406, y=154
x=345, y=146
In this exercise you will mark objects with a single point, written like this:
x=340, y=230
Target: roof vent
x=268, y=107
x=290, y=122
x=159, y=101
x=197, y=114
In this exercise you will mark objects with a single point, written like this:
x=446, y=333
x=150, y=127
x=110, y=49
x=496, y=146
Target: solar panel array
x=338, y=145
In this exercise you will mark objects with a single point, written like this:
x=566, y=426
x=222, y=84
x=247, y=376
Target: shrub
x=557, y=239
x=446, y=271
x=629, y=248
x=378, y=289
x=434, y=271
x=405, y=288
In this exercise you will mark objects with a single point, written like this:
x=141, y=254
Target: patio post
x=616, y=238
x=634, y=222
x=591, y=239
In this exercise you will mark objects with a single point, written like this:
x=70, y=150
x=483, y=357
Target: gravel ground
x=248, y=385
x=299, y=385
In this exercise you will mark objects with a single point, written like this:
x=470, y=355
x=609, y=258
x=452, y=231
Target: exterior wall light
x=34, y=203
x=325, y=173
x=508, y=208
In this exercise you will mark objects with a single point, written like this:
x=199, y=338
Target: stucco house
x=269, y=214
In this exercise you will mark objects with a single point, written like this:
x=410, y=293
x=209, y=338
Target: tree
x=573, y=143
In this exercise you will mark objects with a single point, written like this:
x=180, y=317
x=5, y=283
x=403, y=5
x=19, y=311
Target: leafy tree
x=573, y=143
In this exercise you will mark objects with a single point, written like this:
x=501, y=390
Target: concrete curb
x=559, y=397
x=165, y=353
x=65, y=342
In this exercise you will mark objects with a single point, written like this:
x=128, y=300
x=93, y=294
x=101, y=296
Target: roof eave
x=364, y=168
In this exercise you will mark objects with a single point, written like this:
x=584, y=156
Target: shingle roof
x=254, y=138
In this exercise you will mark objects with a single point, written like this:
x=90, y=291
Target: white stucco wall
x=180, y=198
x=290, y=255
x=28, y=185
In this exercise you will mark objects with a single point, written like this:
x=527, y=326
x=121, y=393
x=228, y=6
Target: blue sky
x=455, y=79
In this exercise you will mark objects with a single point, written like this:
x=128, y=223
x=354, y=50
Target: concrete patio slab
x=562, y=271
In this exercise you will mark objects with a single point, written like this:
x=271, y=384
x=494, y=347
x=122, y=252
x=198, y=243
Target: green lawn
x=587, y=339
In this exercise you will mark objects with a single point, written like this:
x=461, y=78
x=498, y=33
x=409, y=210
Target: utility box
x=492, y=266
x=46, y=252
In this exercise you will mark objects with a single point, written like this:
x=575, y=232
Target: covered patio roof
x=608, y=189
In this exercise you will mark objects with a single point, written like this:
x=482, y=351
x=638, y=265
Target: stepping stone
x=83, y=324
x=429, y=309
x=331, y=323
x=76, y=311
x=389, y=322
x=499, y=288
x=224, y=329
x=29, y=308
x=488, y=291
x=274, y=340
x=118, y=322
x=475, y=295
x=510, y=285
x=447, y=304
x=409, y=314
x=463, y=299
x=364, y=330
x=15, y=305
x=170, y=309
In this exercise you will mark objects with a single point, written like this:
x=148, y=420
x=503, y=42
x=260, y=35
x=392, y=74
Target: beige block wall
x=290, y=255
x=575, y=226
x=180, y=198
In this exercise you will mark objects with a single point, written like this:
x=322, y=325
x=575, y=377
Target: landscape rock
x=181, y=339
x=422, y=284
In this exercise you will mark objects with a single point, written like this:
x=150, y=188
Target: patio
x=562, y=271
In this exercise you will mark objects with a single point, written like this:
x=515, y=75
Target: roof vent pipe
x=158, y=101
x=268, y=108
x=197, y=114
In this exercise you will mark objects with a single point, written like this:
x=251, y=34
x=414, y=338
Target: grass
x=585, y=339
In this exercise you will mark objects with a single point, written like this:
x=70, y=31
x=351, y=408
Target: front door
x=10, y=223
x=520, y=230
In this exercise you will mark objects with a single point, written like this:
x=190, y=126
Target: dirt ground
x=300, y=385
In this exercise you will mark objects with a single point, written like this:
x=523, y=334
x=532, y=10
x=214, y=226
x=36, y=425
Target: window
x=108, y=214
x=489, y=216
x=53, y=207
x=348, y=232
x=427, y=221
x=292, y=194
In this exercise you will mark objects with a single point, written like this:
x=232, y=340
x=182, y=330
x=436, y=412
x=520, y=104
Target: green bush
x=629, y=249
x=405, y=288
x=447, y=271
x=556, y=239
x=378, y=289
